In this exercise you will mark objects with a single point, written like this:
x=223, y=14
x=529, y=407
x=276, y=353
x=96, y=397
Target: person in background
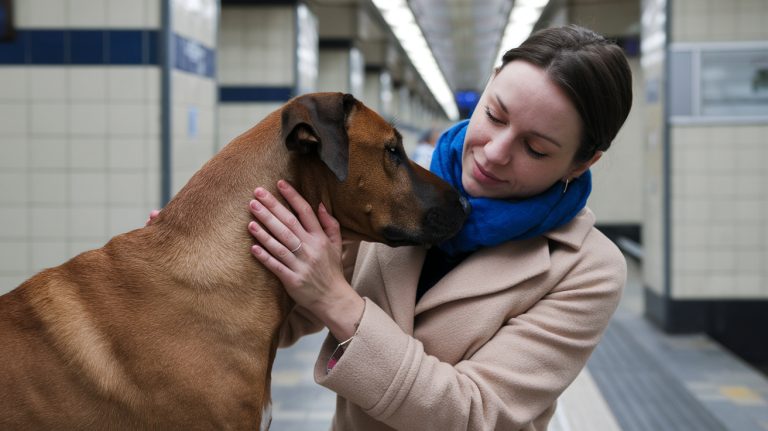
x=422, y=154
x=486, y=330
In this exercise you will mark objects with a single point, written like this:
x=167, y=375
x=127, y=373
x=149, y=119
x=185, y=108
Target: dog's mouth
x=438, y=225
x=396, y=237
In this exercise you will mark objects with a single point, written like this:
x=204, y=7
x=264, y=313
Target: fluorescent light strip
x=400, y=19
x=524, y=15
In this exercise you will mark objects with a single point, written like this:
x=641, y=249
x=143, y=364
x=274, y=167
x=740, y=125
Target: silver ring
x=298, y=247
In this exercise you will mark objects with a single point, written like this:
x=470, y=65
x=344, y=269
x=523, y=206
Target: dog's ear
x=317, y=122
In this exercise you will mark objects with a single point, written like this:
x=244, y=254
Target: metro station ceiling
x=464, y=36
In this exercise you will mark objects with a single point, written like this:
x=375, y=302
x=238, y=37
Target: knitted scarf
x=494, y=221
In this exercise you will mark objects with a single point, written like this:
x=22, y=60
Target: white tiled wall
x=194, y=97
x=719, y=21
x=196, y=20
x=78, y=151
x=194, y=113
x=719, y=208
x=334, y=70
x=87, y=13
x=80, y=145
x=372, y=92
x=719, y=175
x=256, y=48
x=236, y=118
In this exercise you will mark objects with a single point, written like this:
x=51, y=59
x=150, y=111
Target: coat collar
x=485, y=272
x=574, y=233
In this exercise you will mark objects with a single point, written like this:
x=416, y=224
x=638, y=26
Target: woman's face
x=522, y=137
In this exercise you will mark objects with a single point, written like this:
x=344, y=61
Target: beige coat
x=490, y=347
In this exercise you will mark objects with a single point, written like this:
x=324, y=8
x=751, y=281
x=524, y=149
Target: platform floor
x=638, y=379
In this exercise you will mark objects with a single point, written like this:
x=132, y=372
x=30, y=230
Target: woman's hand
x=305, y=254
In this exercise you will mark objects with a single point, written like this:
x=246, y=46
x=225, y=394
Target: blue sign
x=466, y=102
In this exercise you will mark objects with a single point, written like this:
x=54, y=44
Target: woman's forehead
x=526, y=93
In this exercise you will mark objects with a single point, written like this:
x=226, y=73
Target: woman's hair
x=592, y=71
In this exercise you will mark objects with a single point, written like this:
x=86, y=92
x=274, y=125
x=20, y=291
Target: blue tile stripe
x=100, y=47
x=235, y=94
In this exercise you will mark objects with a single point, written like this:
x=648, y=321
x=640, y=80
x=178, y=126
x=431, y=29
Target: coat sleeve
x=505, y=384
x=301, y=321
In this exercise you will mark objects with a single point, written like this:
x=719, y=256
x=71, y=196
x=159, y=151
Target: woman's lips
x=484, y=177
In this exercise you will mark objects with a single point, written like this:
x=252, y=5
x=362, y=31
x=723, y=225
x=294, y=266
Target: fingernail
x=282, y=184
x=322, y=207
x=255, y=205
x=256, y=249
x=261, y=192
x=253, y=226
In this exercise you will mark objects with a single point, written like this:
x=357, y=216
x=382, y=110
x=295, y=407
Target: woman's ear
x=583, y=166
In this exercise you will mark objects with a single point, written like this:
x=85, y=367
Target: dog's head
x=375, y=191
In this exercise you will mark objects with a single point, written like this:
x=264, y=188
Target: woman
x=485, y=331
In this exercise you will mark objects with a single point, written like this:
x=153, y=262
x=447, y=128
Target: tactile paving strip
x=640, y=393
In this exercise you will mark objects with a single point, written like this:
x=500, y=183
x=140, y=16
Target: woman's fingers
x=303, y=250
x=330, y=225
x=300, y=206
x=274, y=247
x=277, y=219
x=152, y=216
x=286, y=276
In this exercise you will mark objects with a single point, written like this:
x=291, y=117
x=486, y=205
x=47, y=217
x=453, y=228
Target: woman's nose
x=498, y=150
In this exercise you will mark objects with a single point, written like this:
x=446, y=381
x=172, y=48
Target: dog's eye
x=394, y=154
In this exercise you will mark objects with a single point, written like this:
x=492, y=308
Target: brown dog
x=173, y=326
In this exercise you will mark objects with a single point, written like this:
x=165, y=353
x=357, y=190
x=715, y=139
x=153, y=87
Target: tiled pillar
x=268, y=55
x=341, y=61
x=341, y=67
x=377, y=82
x=81, y=121
x=193, y=87
x=707, y=192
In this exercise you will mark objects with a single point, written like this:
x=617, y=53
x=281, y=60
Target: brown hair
x=592, y=71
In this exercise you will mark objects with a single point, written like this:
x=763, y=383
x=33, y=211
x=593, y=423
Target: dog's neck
x=203, y=230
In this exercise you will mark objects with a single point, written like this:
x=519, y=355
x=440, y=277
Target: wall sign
x=719, y=82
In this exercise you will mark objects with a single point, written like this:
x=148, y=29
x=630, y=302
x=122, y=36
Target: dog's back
x=97, y=341
x=50, y=353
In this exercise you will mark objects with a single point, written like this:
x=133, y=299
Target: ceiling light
x=400, y=19
x=523, y=17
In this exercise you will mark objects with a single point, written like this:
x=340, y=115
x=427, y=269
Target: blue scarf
x=494, y=221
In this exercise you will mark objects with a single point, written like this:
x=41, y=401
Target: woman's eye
x=535, y=154
x=491, y=117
